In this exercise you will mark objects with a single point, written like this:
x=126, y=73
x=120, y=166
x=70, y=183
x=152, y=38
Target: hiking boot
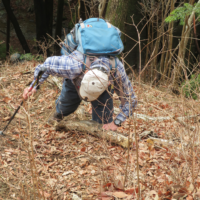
x=55, y=118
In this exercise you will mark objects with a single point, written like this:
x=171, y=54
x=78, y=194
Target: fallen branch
x=95, y=129
x=177, y=119
x=146, y=117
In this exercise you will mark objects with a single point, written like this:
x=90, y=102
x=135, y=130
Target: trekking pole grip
x=36, y=83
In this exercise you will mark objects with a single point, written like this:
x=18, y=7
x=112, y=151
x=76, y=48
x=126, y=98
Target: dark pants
x=69, y=100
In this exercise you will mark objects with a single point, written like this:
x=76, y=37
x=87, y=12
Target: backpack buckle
x=91, y=59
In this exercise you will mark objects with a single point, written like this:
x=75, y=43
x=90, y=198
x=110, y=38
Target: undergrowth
x=191, y=88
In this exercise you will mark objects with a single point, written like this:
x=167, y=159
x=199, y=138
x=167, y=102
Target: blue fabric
x=71, y=66
x=69, y=45
x=69, y=100
x=102, y=108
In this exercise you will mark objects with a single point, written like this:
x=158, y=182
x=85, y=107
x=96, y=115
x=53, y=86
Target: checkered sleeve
x=63, y=66
x=125, y=92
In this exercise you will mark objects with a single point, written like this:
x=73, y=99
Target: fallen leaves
x=67, y=173
x=152, y=195
x=119, y=194
x=6, y=100
x=76, y=163
x=6, y=118
x=109, y=195
x=189, y=197
x=45, y=194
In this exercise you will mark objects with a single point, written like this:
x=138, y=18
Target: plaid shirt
x=71, y=66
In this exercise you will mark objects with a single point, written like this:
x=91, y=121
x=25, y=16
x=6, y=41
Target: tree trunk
x=16, y=26
x=59, y=24
x=120, y=12
x=8, y=34
x=49, y=15
x=40, y=19
x=116, y=13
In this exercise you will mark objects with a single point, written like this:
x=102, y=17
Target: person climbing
x=89, y=74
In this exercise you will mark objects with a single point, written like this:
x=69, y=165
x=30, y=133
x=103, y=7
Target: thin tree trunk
x=8, y=34
x=102, y=6
x=148, y=41
x=170, y=45
x=163, y=43
x=156, y=49
x=59, y=23
x=160, y=32
x=16, y=26
x=49, y=15
x=40, y=18
x=166, y=56
x=195, y=35
x=79, y=9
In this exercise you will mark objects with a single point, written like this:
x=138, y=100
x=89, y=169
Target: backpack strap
x=113, y=64
x=88, y=60
x=113, y=70
x=84, y=65
x=109, y=25
x=82, y=25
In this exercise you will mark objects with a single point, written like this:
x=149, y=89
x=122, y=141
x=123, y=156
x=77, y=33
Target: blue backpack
x=94, y=37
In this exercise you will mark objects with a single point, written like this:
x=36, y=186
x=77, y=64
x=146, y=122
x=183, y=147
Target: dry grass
x=39, y=163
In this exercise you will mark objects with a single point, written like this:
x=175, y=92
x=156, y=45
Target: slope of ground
x=39, y=163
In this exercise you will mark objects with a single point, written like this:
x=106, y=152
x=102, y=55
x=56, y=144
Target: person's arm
x=63, y=66
x=123, y=90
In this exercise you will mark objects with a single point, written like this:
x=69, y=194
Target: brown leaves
x=16, y=76
x=120, y=194
x=118, y=184
x=131, y=190
x=6, y=118
x=79, y=163
x=152, y=195
x=46, y=195
x=6, y=100
x=116, y=190
x=117, y=194
x=189, y=197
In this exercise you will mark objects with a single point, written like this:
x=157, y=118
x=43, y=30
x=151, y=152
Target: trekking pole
x=36, y=83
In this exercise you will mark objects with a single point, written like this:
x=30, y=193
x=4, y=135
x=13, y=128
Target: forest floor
x=37, y=162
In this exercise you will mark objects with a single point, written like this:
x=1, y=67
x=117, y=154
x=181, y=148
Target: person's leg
x=102, y=109
x=69, y=100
